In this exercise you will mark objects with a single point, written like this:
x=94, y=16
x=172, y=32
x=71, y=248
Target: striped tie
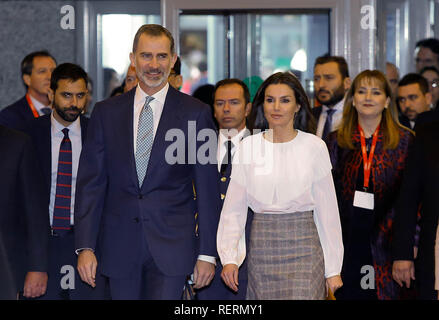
x=63, y=197
x=145, y=138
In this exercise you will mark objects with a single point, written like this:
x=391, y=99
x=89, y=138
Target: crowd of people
x=294, y=202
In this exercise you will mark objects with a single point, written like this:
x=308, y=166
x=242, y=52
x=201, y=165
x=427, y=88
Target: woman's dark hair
x=304, y=120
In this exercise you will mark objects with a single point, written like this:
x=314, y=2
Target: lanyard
x=367, y=163
x=32, y=107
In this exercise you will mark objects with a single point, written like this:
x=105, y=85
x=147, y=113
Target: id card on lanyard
x=32, y=107
x=365, y=199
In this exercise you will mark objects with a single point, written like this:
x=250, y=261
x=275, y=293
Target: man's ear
x=26, y=79
x=51, y=96
x=428, y=98
x=347, y=83
x=132, y=59
x=248, y=109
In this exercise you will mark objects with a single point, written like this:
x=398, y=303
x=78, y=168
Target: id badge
x=364, y=200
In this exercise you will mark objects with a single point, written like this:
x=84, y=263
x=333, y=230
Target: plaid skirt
x=285, y=259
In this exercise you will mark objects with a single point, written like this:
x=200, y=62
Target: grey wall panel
x=27, y=26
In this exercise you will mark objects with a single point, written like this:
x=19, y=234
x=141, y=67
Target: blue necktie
x=227, y=160
x=46, y=110
x=328, y=123
x=63, y=197
x=145, y=138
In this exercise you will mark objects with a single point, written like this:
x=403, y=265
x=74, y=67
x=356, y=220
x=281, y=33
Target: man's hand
x=203, y=274
x=87, y=264
x=35, y=284
x=403, y=271
x=230, y=276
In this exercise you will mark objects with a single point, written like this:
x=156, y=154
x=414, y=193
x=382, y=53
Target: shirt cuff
x=77, y=251
x=209, y=259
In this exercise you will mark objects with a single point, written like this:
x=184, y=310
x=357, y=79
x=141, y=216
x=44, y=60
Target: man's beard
x=334, y=99
x=162, y=78
x=66, y=116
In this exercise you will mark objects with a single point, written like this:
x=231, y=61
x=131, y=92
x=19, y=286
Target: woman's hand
x=333, y=283
x=230, y=276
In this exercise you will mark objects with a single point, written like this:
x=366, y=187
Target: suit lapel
x=46, y=149
x=171, y=111
x=127, y=122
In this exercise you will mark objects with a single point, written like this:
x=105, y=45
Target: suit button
x=140, y=196
x=136, y=220
x=222, y=196
x=223, y=179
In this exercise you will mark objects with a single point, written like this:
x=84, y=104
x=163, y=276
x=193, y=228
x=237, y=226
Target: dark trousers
x=64, y=281
x=147, y=282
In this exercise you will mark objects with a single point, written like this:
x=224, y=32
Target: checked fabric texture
x=145, y=138
x=63, y=197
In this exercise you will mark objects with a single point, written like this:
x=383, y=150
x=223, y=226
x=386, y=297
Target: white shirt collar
x=38, y=105
x=74, y=127
x=159, y=96
x=235, y=140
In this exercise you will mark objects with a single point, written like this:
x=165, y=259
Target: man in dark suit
x=231, y=107
x=413, y=98
x=58, y=139
x=418, y=191
x=135, y=194
x=331, y=81
x=24, y=226
x=36, y=69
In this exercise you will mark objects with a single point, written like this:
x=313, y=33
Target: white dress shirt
x=38, y=105
x=298, y=179
x=336, y=118
x=157, y=108
x=222, y=148
x=56, y=137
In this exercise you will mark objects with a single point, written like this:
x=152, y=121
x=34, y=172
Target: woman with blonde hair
x=368, y=154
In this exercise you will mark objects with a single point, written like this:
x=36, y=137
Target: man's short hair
x=177, y=66
x=412, y=78
x=341, y=62
x=430, y=43
x=68, y=71
x=153, y=30
x=226, y=82
x=429, y=68
x=27, y=64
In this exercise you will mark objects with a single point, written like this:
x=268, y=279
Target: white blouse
x=277, y=178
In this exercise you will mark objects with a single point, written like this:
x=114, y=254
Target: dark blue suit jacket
x=24, y=218
x=162, y=209
x=17, y=115
x=40, y=131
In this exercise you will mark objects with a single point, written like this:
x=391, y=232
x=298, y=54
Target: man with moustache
x=413, y=98
x=427, y=54
x=36, y=69
x=231, y=107
x=331, y=81
x=135, y=202
x=58, y=138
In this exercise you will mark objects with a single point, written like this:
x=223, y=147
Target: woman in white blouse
x=284, y=176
